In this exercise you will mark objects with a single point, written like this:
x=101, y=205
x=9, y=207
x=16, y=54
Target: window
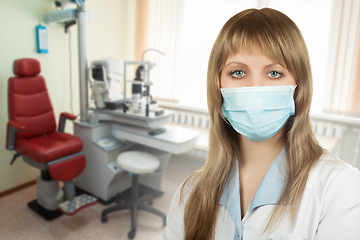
x=192, y=27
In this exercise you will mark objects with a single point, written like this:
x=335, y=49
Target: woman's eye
x=274, y=74
x=237, y=73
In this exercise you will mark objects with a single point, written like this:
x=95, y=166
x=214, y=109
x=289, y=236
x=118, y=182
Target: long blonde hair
x=278, y=37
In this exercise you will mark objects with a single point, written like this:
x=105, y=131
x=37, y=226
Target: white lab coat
x=329, y=210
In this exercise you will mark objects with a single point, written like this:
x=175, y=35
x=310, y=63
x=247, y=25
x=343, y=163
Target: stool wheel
x=131, y=234
x=150, y=202
x=103, y=218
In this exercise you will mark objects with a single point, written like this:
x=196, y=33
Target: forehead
x=253, y=51
x=247, y=58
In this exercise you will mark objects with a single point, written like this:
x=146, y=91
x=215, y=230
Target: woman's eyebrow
x=237, y=63
x=275, y=63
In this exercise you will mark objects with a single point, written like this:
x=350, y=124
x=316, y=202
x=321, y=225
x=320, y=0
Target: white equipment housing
x=106, y=75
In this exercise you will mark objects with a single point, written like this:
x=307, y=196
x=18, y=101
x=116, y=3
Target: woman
x=266, y=176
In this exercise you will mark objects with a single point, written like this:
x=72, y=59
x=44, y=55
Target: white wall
x=110, y=33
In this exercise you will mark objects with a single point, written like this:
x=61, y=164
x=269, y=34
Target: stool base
x=134, y=204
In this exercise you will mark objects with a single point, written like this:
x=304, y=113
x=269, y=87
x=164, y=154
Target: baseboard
x=17, y=188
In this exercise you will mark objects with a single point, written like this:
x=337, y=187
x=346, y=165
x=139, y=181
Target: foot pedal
x=80, y=202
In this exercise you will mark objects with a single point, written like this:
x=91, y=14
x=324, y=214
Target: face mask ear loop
x=294, y=91
x=221, y=112
x=224, y=118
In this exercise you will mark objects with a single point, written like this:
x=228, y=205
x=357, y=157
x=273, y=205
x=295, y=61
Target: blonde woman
x=266, y=176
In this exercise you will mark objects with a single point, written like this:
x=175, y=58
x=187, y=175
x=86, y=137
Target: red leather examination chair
x=32, y=133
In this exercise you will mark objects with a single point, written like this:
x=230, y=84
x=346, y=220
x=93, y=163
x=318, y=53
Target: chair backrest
x=28, y=100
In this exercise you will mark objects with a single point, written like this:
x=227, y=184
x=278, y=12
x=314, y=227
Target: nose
x=255, y=80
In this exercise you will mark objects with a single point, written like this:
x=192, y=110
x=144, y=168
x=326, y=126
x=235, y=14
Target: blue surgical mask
x=258, y=113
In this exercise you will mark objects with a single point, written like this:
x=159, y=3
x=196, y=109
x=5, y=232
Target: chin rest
x=32, y=133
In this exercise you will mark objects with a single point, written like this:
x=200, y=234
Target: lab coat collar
x=230, y=198
x=268, y=192
x=271, y=187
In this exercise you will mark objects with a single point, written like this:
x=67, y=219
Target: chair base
x=50, y=200
x=48, y=215
x=49, y=194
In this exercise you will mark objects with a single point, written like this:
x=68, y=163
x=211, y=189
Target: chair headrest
x=26, y=67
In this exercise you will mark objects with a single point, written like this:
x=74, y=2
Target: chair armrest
x=12, y=128
x=62, y=120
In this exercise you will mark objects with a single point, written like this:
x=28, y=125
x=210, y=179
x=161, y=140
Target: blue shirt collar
x=268, y=192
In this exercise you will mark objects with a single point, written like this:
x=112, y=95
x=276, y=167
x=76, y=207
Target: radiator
x=329, y=129
x=190, y=118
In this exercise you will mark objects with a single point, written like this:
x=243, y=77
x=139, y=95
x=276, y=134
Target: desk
x=102, y=177
x=175, y=139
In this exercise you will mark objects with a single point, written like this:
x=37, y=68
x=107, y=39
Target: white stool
x=136, y=162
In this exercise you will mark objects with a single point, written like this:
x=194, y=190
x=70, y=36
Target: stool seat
x=138, y=162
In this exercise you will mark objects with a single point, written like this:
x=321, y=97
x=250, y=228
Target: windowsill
x=182, y=107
